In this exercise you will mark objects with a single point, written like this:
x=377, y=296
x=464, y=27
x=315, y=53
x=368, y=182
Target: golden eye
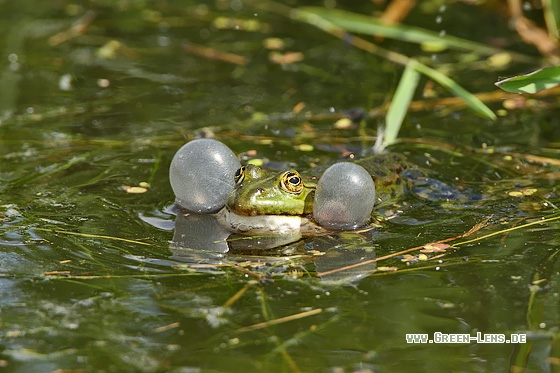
x=239, y=175
x=291, y=182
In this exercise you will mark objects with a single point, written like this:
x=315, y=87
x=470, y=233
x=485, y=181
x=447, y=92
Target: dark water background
x=90, y=283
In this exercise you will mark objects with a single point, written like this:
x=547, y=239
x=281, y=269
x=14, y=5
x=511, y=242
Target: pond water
x=94, y=278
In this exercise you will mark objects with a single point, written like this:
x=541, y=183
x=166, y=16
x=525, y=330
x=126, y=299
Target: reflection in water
x=199, y=233
x=200, y=239
x=342, y=256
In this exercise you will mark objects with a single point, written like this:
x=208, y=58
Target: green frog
x=261, y=192
x=207, y=178
x=341, y=199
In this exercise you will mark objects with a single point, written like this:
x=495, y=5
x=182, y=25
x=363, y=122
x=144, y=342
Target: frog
x=262, y=192
x=259, y=192
x=206, y=175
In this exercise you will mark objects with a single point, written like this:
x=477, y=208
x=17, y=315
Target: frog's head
x=260, y=192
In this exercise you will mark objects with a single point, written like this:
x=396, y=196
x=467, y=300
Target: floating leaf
x=134, y=189
x=298, y=108
x=316, y=252
x=522, y=192
x=446, y=305
x=435, y=248
x=387, y=269
x=433, y=46
x=499, y=60
x=256, y=162
x=304, y=147
x=533, y=82
x=344, y=123
x=285, y=58
x=274, y=43
x=407, y=258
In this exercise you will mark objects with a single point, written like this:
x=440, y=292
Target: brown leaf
x=407, y=258
x=387, y=269
x=435, y=248
x=298, y=108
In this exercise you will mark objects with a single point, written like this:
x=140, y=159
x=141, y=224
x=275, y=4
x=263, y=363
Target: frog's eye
x=239, y=174
x=291, y=182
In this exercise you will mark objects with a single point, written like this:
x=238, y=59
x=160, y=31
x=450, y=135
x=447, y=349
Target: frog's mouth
x=268, y=224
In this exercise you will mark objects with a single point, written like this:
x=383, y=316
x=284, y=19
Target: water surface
x=89, y=278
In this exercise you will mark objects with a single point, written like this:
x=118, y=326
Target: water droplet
x=439, y=19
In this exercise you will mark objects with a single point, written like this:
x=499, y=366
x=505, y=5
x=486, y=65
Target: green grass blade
x=311, y=16
x=363, y=24
x=551, y=10
x=471, y=100
x=338, y=31
x=401, y=101
x=533, y=82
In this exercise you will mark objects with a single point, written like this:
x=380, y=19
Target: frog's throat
x=268, y=224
